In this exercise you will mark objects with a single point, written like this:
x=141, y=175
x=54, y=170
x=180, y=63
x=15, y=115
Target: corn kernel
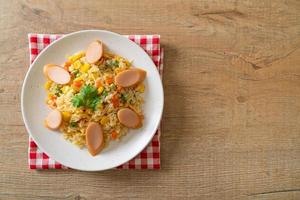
x=140, y=88
x=127, y=63
x=65, y=89
x=66, y=116
x=90, y=76
x=84, y=68
x=50, y=95
x=77, y=64
x=76, y=89
x=76, y=57
x=71, y=68
x=104, y=120
x=48, y=85
x=100, y=90
x=78, y=79
x=100, y=106
x=95, y=75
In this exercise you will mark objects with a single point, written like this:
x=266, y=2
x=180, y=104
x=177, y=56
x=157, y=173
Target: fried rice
x=112, y=97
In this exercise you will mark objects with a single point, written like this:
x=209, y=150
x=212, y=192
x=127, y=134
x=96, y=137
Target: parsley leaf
x=123, y=98
x=75, y=72
x=57, y=90
x=112, y=63
x=104, y=93
x=73, y=124
x=87, y=97
x=112, y=87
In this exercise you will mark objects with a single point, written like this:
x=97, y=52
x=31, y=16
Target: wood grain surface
x=231, y=124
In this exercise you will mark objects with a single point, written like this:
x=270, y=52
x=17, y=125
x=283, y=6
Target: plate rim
x=44, y=50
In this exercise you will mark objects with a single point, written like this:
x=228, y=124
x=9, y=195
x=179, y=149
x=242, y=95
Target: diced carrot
x=115, y=101
x=67, y=65
x=53, y=97
x=77, y=84
x=114, y=135
x=98, y=83
x=52, y=102
x=109, y=80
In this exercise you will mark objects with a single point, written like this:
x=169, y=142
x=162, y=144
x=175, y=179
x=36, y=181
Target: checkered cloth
x=149, y=158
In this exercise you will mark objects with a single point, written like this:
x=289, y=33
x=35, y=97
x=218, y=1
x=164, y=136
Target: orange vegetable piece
x=67, y=65
x=77, y=84
x=53, y=97
x=115, y=101
x=109, y=80
x=114, y=135
x=98, y=83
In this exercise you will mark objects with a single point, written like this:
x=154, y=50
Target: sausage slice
x=58, y=75
x=94, y=52
x=129, y=118
x=46, y=67
x=53, y=120
x=130, y=77
x=94, y=138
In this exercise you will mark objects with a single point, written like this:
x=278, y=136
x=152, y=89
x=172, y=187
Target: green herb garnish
x=73, y=124
x=112, y=63
x=87, y=97
x=104, y=93
x=123, y=98
x=75, y=72
x=112, y=87
x=57, y=90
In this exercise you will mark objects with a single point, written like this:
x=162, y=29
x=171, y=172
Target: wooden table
x=231, y=124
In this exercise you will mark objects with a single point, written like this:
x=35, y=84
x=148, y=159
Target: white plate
x=52, y=143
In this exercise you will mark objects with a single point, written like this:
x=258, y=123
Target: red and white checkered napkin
x=149, y=158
